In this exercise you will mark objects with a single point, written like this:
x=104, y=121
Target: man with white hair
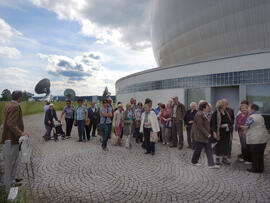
x=48, y=121
x=188, y=120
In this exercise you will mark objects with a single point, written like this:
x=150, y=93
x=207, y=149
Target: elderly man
x=48, y=121
x=188, y=120
x=178, y=115
x=93, y=116
x=13, y=129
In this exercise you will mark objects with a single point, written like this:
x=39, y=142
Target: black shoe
x=153, y=153
x=147, y=153
x=93, y=135
x=79, y=141
x=251, y=170
x=173, y=146
x=18, y=180
x=189, y=147
x=180, y=147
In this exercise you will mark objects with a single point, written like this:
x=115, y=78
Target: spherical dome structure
x=186, y=31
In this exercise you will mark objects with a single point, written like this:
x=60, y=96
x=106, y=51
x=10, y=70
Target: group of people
x=206, y=129
x=86, y=119
x=212, y=131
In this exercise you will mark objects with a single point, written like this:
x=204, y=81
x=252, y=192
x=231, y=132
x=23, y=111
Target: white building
x=206, y=50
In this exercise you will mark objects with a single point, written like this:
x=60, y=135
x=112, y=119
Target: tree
x=6, y=95
x=106, y=93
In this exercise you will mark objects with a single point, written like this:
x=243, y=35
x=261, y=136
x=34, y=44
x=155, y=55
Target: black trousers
x=69, y=125
x=189, y=139
x=150, y=146
x=257, y=157
x=93, y=125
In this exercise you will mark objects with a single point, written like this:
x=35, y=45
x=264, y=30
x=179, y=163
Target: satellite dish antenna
x=43, y=87
x=69, y=94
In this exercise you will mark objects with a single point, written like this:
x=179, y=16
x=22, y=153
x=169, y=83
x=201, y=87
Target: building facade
x=206, y=50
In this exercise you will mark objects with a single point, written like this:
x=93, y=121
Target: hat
x=175, y=97
x=51, y=104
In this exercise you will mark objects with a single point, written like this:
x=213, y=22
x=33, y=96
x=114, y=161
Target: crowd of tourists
x=206, y=129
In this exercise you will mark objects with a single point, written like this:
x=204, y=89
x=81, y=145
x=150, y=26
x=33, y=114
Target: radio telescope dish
x=69, y=94
x=43, y=87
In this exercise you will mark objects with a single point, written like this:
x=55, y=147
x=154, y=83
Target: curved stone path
x=68, y=171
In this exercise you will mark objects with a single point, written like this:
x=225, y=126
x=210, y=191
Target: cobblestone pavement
x=68, y=171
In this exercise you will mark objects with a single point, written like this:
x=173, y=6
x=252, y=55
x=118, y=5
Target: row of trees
x=6, y=95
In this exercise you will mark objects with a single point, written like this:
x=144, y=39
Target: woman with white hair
x=189, y=120
x=118, y=122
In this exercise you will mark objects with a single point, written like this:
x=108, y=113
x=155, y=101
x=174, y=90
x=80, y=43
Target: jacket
x=128, y=124
x=257, y=133
x=189, y=117
x=93, y=116
x=118, y=118
x=180, y=112
x=153, y=120
x=201, y=128
x=13, y=126
x=49, y=116
x=215, y=123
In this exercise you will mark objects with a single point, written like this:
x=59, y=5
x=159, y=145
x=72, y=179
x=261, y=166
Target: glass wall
x=194, y=95
x=261, y=76
x=260, y=95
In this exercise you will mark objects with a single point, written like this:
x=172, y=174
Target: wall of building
x=233, y=64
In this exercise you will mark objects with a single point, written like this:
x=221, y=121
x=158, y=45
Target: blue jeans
x=197, y=153
x=81, y=131
x=106, y=135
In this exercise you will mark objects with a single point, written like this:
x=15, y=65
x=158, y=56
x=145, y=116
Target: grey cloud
x=64, y=63
x=96, y=57
x=131, y=17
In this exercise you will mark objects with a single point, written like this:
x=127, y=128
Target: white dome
x=194, y=30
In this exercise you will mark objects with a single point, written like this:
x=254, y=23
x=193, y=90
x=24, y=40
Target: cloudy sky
x=80, y=44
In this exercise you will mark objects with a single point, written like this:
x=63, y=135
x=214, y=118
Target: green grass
x=29, y=108
x=23, y=196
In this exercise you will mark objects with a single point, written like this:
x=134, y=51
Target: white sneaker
x=214, y=167
x=197, y=164
x=247, y=163
x=241, y=160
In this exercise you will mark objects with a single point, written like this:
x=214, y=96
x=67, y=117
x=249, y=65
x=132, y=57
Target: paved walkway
x=68, y=171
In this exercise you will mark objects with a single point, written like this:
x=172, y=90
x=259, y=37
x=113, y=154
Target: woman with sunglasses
x=68, y=111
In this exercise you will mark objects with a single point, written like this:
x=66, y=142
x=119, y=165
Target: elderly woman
x=188, y=120
x=166, y=122
x=241, y=120
x=256, y=138
x=220, y=125
x=201, y=134
x=128, y=122
x=138, y=116
x=150, y=128
x=118, y=122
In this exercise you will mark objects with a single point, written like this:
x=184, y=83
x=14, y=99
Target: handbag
x=153, y=137
x=168, y=124
x=88, y=122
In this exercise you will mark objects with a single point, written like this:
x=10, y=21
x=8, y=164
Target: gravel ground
x=69, y=171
